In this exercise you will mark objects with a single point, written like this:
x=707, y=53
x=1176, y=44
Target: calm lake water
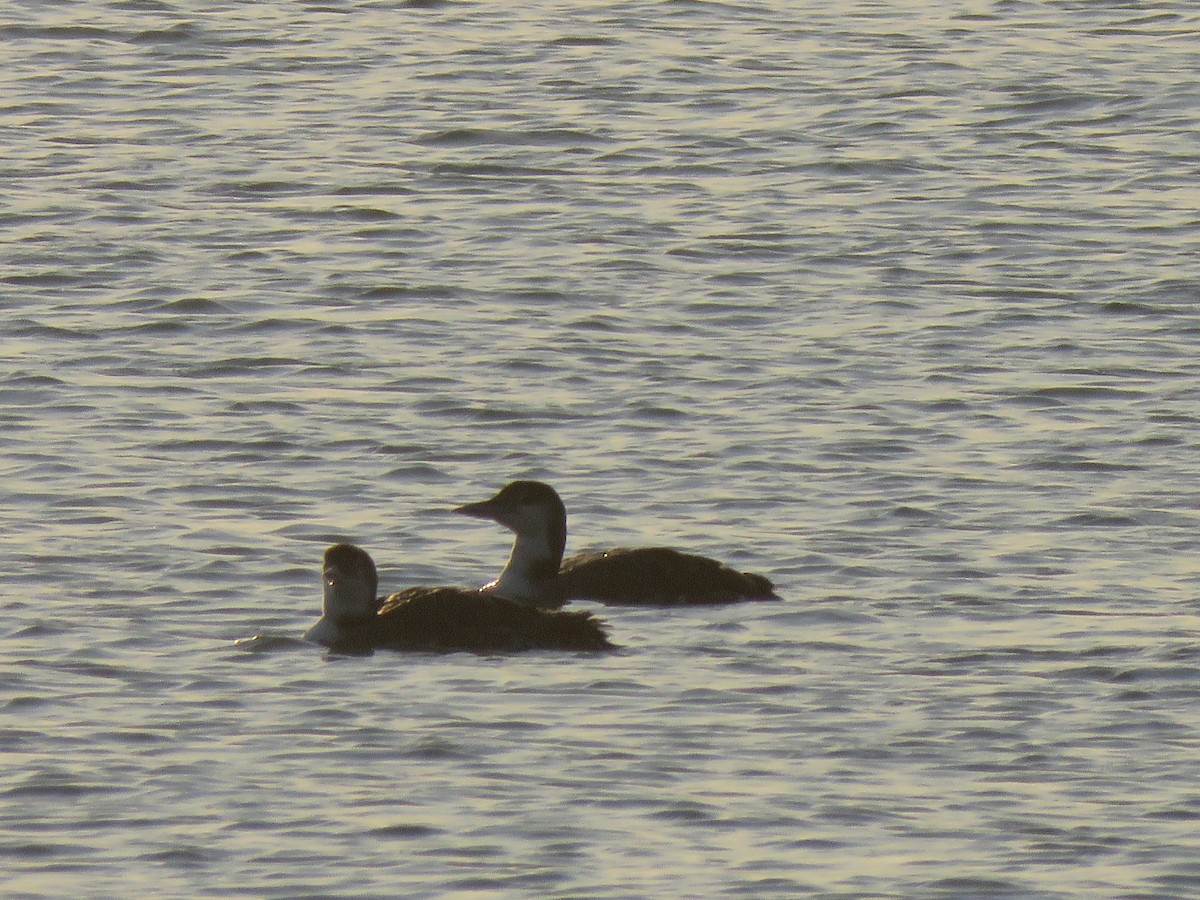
x=896, y=304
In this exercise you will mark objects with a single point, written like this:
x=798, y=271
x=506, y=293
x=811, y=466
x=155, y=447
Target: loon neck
x=532, y=567
x=342, y=612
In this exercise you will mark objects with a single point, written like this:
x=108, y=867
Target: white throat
x=324, y=632
x=346, y=598
x=525, y=575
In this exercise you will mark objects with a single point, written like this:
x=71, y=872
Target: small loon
x=354, y=620
x=537, y=575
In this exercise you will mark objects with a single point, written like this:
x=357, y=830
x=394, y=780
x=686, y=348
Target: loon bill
x=354, y=620
x=536, y=573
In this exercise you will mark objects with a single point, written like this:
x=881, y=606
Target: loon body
x=536, y=573
x=354, y=620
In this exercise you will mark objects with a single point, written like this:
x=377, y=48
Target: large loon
x=536, y=573
x=354, y=620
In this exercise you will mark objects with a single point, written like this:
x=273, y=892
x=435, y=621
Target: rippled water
x=894, y=304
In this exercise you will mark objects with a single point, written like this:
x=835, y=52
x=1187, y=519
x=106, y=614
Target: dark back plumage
x=658, y=576
x=537, y=575
x=445, y=619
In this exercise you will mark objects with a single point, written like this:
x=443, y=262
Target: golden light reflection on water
x=893, y=303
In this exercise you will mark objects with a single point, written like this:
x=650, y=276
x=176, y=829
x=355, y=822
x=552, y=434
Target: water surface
x=895, y=305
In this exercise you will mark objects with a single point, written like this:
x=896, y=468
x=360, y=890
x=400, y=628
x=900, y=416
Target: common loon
x=537, y=575
x=354, y=620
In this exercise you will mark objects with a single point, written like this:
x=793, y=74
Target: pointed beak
x=484, y=509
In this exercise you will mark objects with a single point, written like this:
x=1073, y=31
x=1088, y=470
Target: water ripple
x=894, y=304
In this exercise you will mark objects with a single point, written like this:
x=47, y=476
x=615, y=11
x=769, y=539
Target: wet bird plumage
x=657, y=575
x=438, y=618
x=537, y=574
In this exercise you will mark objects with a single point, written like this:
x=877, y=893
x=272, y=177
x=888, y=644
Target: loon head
x=530, y=509
x=534, y=512
x=350, y=583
